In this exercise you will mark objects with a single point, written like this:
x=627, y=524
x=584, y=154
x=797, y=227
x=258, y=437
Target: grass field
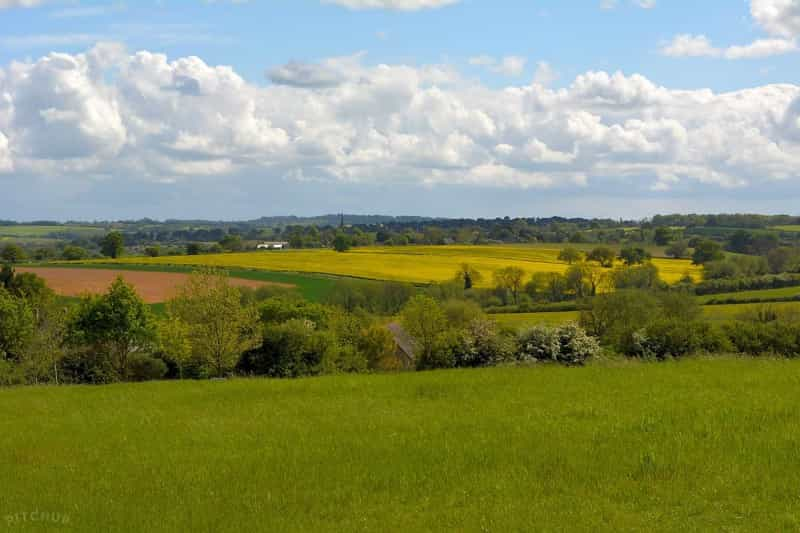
x=698, y=445
x=790, y=228
x=22, y=230
x=416, y=264
x=744, y=296
x=712, y=313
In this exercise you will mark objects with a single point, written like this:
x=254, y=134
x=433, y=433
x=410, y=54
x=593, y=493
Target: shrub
x=677, y=338
x=481, y=344
x=568, y=344
x=142, y=367
x=772, y=338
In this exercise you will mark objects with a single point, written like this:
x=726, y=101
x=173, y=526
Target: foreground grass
x=694, y=446
x=415, y=264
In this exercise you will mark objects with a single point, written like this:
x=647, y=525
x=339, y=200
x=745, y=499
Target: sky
x=455, y=108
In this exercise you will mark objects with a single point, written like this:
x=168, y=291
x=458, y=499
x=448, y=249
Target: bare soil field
x=153, y=287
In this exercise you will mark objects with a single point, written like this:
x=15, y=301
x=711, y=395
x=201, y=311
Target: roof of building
x=403, y=339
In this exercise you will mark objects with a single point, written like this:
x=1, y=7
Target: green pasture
x=697, y=445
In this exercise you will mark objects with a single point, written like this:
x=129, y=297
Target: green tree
x=570, y=255
x=584, y=280
x=114, y=325
x=13, y=253
x=424, y=320
x=174, y=342
x=677, y=249
x=113, y=245
x=74, y=253
x=602, y=255
x=16, y=326
x=193, y=249
x=707, y=251
x=634, y=255
x=510, y=279
x=468, y=275
x=662, y=236
x=221, y=327
x=341, y=243
x=232, y=243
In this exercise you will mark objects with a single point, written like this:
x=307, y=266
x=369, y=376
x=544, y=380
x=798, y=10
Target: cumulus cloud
x=398, y=5
x=161, y=120
x=700, y=46
x=779, y=18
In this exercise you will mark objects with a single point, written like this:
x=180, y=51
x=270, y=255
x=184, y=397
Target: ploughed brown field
x=153, y=287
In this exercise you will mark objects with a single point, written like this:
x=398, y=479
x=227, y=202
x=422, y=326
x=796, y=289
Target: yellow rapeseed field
x=416, y=264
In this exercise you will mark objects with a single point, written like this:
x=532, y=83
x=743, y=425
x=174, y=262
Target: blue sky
x=435, y=107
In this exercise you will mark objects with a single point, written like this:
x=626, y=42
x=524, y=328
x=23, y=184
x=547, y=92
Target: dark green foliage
x=16, y=325
x=677, y=337
x=142, y=367
x=602, y=255
x=113, y=245
x=637, y=277
x=765, y=338
x=634, y=255
x=706, y=251
x=114, y=325
x=291, y=349
x=662, y=236
x=341, y=243
x=718, y=286
x=232, y=243
x=380, y=297
x=678, y=249
x=74, y=253
x=193, y=249
x=13, y=253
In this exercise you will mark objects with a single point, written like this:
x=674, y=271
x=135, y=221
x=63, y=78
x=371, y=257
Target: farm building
x=404, y=345
x=273, y=245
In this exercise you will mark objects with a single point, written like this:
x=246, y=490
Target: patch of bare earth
x=153, y=287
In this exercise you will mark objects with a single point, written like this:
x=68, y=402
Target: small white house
x=273, y=245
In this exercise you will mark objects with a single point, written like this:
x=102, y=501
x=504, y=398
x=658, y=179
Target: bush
x=568, y=344
x=142, y=367
x=677, y=338
x=481, y=344
x=770, y=338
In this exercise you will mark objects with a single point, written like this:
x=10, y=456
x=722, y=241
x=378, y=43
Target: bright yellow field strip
x=417, y=264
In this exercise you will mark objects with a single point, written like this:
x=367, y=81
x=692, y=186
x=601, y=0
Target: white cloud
x=165, y=121
x=511, y=66
x=779, y=18
x=686, y=45
x=398, y=5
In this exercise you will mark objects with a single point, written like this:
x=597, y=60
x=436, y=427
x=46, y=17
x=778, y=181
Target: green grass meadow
x=697, y=445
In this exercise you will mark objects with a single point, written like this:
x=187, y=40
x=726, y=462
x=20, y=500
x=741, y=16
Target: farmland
x=712, y=313
x=415, y=264
x=153, y=287
x=700, y=445
x=33, y=231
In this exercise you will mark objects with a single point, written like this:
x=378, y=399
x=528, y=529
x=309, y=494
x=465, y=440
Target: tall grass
x=700, y=445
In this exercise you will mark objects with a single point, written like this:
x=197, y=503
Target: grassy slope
x=417, y=264
x=701, y=445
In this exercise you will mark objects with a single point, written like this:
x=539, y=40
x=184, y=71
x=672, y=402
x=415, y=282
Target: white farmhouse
x=273, y=245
